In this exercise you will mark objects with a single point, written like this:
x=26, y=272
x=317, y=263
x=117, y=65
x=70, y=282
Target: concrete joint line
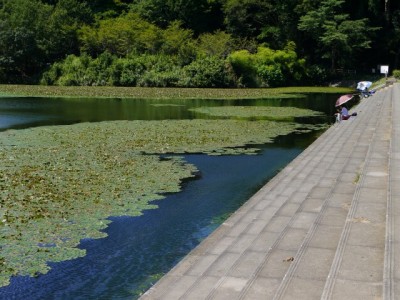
x=330, y=282
x=294, y=265
x=389, y=262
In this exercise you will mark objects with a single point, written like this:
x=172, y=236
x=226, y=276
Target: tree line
x=194, y=43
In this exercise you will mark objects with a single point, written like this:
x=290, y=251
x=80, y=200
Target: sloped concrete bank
x=323, y=228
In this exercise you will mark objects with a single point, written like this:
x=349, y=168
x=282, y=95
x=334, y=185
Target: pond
x=138, y=250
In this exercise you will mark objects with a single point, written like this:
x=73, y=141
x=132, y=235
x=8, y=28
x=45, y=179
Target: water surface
x=139, y=250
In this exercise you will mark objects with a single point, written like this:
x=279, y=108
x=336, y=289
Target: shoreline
x=159, y=93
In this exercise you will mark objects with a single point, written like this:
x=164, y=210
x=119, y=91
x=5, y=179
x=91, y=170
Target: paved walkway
x=326, y=227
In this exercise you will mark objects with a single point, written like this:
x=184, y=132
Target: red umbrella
x=343, y=99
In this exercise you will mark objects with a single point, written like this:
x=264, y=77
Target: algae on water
x=59, y=184
x=258, y=112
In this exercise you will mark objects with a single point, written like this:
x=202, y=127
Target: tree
x=394, y=42
x=179, y=42
x=271, y=22
x=62, y=26
x=197, y=15
x=337, y=37
x=218, y=44
x=120, y=36
x=246, y=18
x=33, y=34
x=22, y=38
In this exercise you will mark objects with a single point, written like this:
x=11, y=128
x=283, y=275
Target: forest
x=195, y=43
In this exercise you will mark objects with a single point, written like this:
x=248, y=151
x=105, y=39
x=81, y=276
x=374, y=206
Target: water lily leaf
x=60, y=184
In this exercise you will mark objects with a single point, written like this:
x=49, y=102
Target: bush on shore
x=396, y=74
x=266, y=68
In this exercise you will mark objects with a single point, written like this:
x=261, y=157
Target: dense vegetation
x=195, y=43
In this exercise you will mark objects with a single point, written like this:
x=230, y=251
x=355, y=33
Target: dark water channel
x=139, y=250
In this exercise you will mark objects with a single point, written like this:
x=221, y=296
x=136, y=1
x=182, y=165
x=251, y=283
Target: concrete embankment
x=326, y=227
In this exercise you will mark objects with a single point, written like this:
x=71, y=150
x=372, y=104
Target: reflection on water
x=27, y=112
x=138, y=250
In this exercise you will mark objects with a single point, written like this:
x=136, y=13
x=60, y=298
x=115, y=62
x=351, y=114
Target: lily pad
x=59, y=184
x=257, y=112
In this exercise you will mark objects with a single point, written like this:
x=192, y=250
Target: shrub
x=99, y=71
x=157, y=70
x=82, y=70
x=268, y=67
x=206, y=72
x=73, y=70
x=243, y=65
x=396, y=74
x=317, y=75
x=153, y=78
x=51, y=76
x=271, y=74
x=279, y=67
x=128, y=71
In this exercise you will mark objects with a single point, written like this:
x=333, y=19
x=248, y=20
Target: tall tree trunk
x=387, y=11
x=333, y=59
x=396, y=60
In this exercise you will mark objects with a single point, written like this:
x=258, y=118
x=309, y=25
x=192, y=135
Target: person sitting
x=344, y=113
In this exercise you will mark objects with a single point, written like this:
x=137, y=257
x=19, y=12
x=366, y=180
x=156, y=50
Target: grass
x=159, y=93
x=357, y=178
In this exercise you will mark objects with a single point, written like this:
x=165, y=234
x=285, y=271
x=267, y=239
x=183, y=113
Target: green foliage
x=130, y=34
x=317, y=75
x=22, y=37
x=67, y=17
x=129, y=71
x=190, y=13
x=138, y=70
x=268, y=67
x=396, y=74
x=246, y=17
x=157, y=70
x=336, y=34
x=125, y=34
x=208, y=72
x=107, y=69
x=178, y=42
x=243, y=64
x=218, y=44
x=35, y=34
x=166, y=78
x=82, y=70
x=270, y=22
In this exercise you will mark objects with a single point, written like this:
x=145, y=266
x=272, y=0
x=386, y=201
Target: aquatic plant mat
x=59, y=184
x=160, y=93
x=256, y=112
